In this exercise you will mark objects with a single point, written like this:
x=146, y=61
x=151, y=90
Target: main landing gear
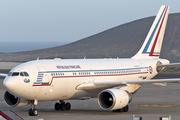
x=124, y=109
x=33, y=111
x=61, y=105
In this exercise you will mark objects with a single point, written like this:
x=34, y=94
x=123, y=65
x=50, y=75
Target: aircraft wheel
x=68, y=106
x=115, y=110
x=119, y=110
x=30, y=112
x=35, y=112
x=125, y=109
x=63, y=106
x=57, y=106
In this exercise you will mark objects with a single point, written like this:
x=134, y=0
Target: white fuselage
x=58, y=79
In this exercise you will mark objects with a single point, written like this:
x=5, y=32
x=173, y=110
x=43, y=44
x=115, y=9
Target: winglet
x=151, y=47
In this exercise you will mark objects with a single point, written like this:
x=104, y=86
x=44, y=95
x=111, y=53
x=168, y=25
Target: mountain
x=122, y=41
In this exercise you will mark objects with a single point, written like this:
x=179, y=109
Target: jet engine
x=14, y=101
x=113, y=99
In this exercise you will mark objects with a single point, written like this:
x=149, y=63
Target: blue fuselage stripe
x=95, y=70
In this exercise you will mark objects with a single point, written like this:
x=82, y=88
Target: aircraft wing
x=99, y=85
x=2, y=74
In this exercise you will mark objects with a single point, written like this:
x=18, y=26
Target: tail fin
x=152, y=45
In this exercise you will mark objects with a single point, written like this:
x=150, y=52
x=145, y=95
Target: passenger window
x=15, y=73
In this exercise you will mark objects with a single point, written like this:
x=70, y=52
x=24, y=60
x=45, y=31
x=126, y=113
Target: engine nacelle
x=13, y=101
x=112, y=99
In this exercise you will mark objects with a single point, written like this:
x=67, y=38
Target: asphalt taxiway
x=150, y=102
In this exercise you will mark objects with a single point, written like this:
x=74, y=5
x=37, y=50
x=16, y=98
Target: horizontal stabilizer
x=168, y=65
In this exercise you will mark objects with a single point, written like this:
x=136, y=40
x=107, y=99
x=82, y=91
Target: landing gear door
x=43, y=75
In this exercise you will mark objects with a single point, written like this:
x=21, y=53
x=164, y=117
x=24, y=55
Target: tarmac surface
x=150, y=102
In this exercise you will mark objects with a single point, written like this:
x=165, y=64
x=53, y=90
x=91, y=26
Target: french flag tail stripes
x=151, y=47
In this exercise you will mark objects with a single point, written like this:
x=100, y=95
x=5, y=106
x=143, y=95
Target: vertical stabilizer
x=151, y=47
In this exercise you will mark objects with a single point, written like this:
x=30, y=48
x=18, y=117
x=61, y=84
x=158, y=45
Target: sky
x=70, y=20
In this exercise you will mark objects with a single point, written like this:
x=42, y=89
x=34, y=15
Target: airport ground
x=150, y=102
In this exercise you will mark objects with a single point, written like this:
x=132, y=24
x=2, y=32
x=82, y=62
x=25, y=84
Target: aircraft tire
x=30, y=112
x=57, y=106
x=126, y=108
x=115, y=110
x=63, y=106
x=68, y=106
x=35, y=112
x=118, y=110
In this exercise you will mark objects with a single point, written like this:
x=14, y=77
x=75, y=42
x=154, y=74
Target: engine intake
x=112, y=99
x=13, y=101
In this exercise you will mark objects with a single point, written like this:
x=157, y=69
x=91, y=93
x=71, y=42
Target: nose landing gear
x=33, y=111
x=61, y=105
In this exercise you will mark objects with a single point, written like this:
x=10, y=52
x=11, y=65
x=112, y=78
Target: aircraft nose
x=15, y=86
x=8, y=84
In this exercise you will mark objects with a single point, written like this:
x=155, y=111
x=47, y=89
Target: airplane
x=112, y=81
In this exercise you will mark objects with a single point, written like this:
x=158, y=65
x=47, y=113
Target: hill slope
x=122, y=41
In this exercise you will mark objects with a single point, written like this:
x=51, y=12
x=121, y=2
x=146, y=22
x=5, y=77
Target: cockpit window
x=18, y=73
x=15, y=73
x=21, y=74
x=24, y=74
